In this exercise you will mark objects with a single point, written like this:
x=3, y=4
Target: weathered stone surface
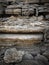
x=12, y=55
x=25, y=1
x=32, y=60
x=45, y=1
x=20, y=40
x=28, y=62
x=47, y=17
x=13, y=11
x=41, y=58
x=40, y=18
x=23, y=25
x=33, y=1
x=20, y=29
x=27, y=56
x=27, y=10
x=46, y=53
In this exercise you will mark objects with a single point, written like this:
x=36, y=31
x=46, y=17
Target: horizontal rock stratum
x=20, y=29
x=21, y=25
x=20, y=39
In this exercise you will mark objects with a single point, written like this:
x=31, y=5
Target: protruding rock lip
x=12, y=29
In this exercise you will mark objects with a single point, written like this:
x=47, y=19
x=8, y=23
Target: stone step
x=20, y=39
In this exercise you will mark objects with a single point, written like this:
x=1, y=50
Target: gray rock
x=12, y=55
x=42, y=59
x=40, y=18
x=46, y=53
x=27, y=56
x=34, y=53
x=28, y=62
x=40, y=62
x=47, y=17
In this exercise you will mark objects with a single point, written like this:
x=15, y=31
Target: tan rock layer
x=20, y=40
x=5, y=42
x=21, y=30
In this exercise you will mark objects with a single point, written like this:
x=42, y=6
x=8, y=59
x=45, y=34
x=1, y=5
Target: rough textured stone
x=23, y=25
x=42, y=58
x=44, y=0
x=27, y=56
x=13, y=11
x=46, y=53
x=12, y=55
x=40, y=18
x=20, y=40
x=28, y=62
x=47, y=17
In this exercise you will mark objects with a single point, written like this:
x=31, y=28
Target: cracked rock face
x=12, y=55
